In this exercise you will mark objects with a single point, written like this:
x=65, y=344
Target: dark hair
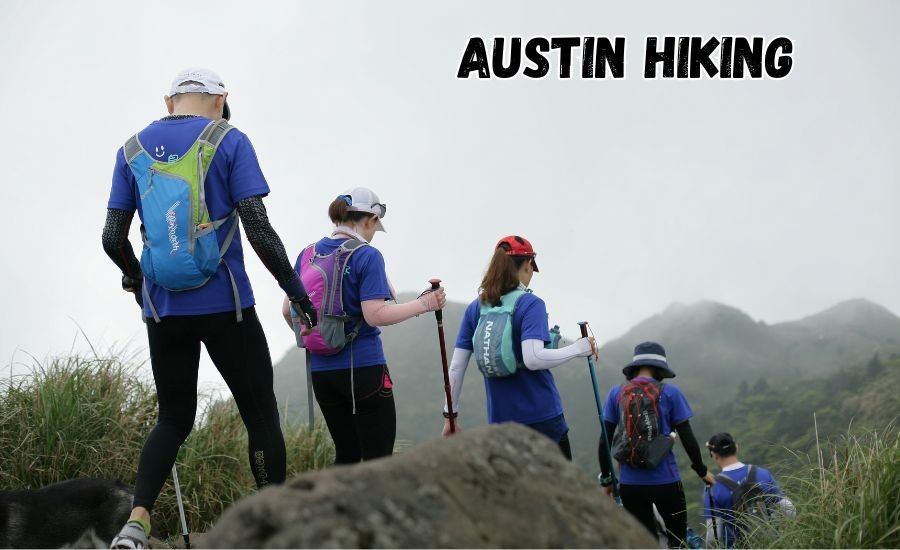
x=725, y=453
x=502, y=276
x=656, y=371
x=339, y=212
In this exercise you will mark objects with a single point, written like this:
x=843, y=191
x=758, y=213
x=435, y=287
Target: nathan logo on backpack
x=323, y=277
x=181, y=249
x=638, y=440
x=750, y=504
x=493, y=339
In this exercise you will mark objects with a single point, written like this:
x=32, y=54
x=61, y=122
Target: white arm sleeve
x=537, y=357
x=458, y=364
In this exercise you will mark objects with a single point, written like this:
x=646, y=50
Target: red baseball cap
x=515, y=245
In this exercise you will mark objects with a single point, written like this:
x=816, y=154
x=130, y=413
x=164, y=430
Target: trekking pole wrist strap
x=447, y=415
x=606, y=481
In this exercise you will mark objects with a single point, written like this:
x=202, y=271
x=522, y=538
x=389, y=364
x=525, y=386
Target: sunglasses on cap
x=381, y=207
x=377, y=208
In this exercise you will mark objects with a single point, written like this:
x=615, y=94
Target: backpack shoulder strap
x=751, y=473
x=352, y=245
x=510, y=299
x=132, y=148
x=308, y=252
x=215, y=132
x=136, y=157
x=727, y=482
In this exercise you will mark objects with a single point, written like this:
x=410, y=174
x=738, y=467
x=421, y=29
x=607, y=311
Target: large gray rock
x=494, y=486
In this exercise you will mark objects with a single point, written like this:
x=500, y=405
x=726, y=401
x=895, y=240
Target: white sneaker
x=131, y=537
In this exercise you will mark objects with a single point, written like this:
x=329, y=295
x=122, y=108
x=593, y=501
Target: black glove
x=304, y=309
x=135, y=286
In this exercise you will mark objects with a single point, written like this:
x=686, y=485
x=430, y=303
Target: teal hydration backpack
x=181, y=250
x=493, y=339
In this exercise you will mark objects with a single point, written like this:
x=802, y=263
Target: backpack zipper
x=195, y=222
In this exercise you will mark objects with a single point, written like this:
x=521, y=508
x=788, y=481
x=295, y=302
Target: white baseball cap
x=196, y=80
x=363, y=199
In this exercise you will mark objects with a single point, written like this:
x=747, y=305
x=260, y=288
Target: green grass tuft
x=80, y=416
x=848, y=496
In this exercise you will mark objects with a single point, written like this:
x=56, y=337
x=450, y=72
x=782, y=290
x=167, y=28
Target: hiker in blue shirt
x=721, y=512
x=642, y=417
x=223, y=182
x=529, y=395
x=353, y=386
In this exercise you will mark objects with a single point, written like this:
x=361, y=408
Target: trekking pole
x=184, y=529
x=298, y=329
x=309, y=393
x=612, y=467
x=438, y=314
x=712, y=514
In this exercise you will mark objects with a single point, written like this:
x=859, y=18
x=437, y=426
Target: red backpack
x=638, y=440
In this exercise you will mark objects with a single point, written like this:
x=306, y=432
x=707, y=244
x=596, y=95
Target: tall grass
x=88, y=416
x=848, y=496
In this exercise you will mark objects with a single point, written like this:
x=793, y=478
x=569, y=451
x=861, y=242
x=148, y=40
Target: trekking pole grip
x=583, y=326
x=436, y=284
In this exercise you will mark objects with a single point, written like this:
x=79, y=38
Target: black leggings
x=241, y=354
x=368, y=432
x=565, y=446
x=669, y=500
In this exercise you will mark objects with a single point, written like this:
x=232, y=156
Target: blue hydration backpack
x=181, y=251
x=493, y=339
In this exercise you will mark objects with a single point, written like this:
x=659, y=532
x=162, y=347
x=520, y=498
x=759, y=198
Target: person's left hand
x=434, y=299
x=304, y=309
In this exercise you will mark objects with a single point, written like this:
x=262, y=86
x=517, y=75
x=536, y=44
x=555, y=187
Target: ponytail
x=339, y=212
x=502, y=276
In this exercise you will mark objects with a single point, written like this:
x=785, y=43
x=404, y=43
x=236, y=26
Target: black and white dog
x=79, y=513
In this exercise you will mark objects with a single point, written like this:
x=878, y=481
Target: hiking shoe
x=131, y=537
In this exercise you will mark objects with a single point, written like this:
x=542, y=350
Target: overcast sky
x=778, y=197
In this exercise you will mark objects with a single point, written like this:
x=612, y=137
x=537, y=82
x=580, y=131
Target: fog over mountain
x=712, y=348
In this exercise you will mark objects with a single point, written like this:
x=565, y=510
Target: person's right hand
x=135, y=286
x=446, y=431
x=709, y=479
x=608, y=490
x=593, y=351
x=433, y=299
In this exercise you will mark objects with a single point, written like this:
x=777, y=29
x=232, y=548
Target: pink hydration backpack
x=323, y=278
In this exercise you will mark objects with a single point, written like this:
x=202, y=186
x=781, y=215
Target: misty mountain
x=713, y=349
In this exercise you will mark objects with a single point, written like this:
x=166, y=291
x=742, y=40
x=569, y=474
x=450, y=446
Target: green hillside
x=775, y=426
x=715, y=349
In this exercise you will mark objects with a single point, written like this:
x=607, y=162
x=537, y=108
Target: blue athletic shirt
x=673, y=410
x=723, y=502
x=526, y=397
x=233, y=175
x=364, y=279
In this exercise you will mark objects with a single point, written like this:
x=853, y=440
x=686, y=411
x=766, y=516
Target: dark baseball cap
x=722, y=444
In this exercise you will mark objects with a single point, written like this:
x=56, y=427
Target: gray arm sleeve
x=268, y=246
x=116, y=243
